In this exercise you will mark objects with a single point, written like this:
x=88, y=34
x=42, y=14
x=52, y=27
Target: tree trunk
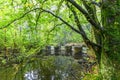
x=110, y=56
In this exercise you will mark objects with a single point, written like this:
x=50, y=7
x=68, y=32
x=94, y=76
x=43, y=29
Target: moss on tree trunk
x=110, y=57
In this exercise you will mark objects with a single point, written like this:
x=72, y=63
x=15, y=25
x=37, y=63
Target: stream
x=50, y=67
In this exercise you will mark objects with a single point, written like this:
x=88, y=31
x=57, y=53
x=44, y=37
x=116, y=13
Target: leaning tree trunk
x=110, y=56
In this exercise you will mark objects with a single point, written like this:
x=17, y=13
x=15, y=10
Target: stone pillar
x=42, y=51
x=68, y=50
x=62, y=50
x=77, y=52
x=57, y=50
x=48, y=50
x=52, y=50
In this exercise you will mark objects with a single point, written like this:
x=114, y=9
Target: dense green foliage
x=26, y=26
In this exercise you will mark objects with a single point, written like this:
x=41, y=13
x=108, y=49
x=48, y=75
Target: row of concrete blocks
x=64, y=50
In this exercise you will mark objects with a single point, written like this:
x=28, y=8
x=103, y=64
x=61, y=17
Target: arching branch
x=95, y=46
x=62, y=21
x=43, y=10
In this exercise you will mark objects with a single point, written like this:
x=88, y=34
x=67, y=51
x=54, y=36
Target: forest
x=59, y=39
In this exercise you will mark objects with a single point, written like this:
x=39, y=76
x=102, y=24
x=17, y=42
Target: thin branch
x=52, y=30
x=38, y=19
x=55, y=27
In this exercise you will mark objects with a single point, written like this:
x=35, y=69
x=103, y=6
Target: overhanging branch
x=62, y=21
x=43, y=10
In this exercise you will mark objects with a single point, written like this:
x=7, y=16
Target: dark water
x=45, y=68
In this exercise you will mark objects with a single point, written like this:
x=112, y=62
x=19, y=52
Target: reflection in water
x=55, y=68
x=32, y=75
x=44, y=68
